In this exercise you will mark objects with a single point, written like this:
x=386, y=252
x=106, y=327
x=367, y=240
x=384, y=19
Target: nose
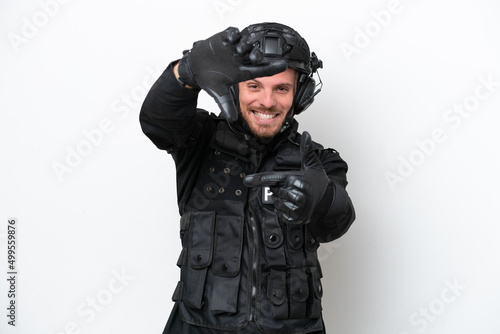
x=267, y=99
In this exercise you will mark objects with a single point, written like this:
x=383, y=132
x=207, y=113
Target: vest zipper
x=253, y=231
x=254, y=275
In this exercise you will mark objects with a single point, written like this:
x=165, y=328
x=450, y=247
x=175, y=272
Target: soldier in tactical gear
x=256, y=198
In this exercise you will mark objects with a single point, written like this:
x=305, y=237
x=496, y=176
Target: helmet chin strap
x=288, y=119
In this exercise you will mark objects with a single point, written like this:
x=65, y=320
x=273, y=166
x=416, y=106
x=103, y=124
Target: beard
x=259, y=130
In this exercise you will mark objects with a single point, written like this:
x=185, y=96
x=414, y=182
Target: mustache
x=264, y=109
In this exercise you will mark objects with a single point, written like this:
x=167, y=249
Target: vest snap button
x=198, y=257
x=238, y=192
x=212, y=169
x=243, y=175
x=221, y=190
x=227, y=170
x=224, y=267
x=273, y=237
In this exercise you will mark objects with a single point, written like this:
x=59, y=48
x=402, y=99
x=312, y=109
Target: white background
x=95, y=201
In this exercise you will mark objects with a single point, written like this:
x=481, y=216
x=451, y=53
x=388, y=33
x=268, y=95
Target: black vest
x=238, y=262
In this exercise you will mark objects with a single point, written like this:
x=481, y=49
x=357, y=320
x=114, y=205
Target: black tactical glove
x=296, y=194
x=215, y=64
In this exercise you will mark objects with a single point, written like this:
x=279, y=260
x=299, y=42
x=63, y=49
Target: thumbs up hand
x=296, y=194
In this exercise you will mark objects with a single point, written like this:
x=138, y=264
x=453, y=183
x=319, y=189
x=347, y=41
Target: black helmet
x=277, y=41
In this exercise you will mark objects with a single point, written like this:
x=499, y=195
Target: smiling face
x=265, y=102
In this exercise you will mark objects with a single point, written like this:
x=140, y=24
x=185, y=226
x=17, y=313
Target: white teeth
x=264, y=116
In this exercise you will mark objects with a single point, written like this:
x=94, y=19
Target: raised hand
x=217, y=63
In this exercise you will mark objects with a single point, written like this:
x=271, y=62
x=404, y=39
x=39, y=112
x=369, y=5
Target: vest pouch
x=184, y=226
x=311, y=249
x=273, y=239
x=276, y=293
x=295, y=236
x=315, y=301
x=200, y=249
x=226, y=264
x=299, y=293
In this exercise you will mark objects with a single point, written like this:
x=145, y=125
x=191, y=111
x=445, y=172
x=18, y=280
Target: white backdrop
x=411, y=99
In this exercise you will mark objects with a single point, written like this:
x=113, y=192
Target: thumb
x=309, y=157
x=228, y=108
x=264, y=179
x=225, y=103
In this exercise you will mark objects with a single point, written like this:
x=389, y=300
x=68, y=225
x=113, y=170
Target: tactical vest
x=238, y=262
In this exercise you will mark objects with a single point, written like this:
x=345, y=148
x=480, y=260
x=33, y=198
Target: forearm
x=335, y=214
x=168, y=113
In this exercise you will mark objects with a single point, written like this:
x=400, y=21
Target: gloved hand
x=215, y=64
x=296, y=194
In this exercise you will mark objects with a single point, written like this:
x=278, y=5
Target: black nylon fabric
x=242, y=270
x=176, y=326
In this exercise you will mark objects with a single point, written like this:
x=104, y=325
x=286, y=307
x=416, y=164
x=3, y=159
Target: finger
x=255, y=56
x=264, y=179
x=295, y=197
x=244, y=46
x=232, y=35
x=264, y=70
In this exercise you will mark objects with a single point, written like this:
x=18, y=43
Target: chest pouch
x=200, y=251
x=226, y=264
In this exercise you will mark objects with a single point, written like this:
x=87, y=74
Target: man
x=255, y=197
